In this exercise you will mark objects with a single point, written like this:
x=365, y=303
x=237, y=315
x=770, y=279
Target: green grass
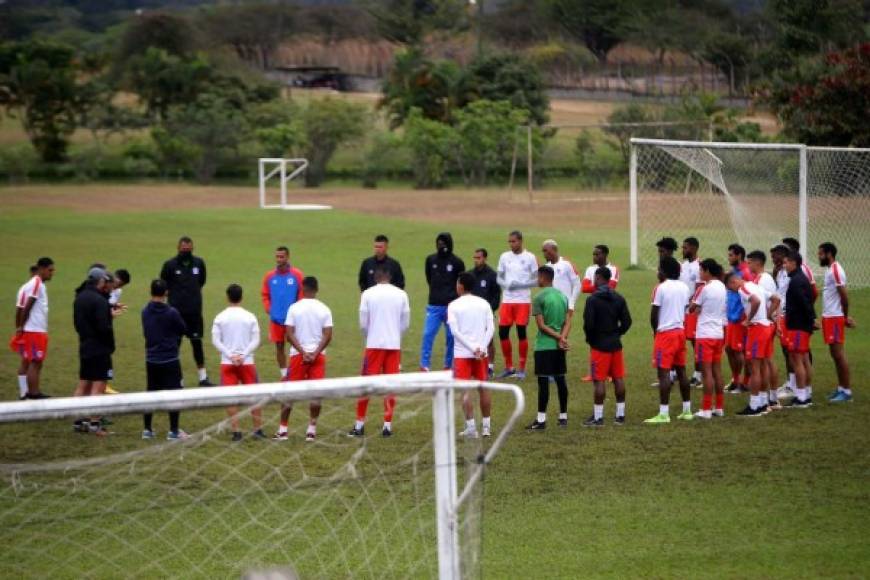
x=783, y=496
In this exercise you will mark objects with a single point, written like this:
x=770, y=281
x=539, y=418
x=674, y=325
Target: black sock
x=173, y=420
x=562, y=388
x=198, y=355
x=146, y=418
x=543, y=394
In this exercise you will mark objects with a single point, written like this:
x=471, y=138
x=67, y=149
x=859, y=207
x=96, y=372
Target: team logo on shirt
x=449, y=267
x=178, y=272
x=195, y=271
x=289, y=281
x=483, y=283
x=371, y=272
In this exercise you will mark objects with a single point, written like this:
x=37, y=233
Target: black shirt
x=185, y=277
x=367, y=272
x=605, y=319
x=799, y=311
x=92, y=317
x=163, y=328
x=442, y=270
x=486, y=285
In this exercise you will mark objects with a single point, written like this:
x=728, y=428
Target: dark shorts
x=96, y=368
x=193, y=322
x=550, y=363
x=163, y=376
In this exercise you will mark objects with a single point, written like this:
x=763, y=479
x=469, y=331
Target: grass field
x=782, y=496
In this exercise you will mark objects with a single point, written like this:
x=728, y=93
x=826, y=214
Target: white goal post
x=751, y=193
x=440, y=386
x=285, y=171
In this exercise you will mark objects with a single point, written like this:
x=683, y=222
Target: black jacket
x=163, y=328
x=442, y=270
x=486, y=285
x=185, y=277
x=605, y=319
x=92, y=317
x=799, y=311
x=367, y=272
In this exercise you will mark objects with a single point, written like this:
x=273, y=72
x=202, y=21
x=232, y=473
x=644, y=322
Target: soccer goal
x=77, y=505
x=282, y=171
x=751, y=193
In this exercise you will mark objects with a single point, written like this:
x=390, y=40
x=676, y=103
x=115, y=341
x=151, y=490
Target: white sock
x=792, y=381
x=469, y=425
x=284, y=373
x=753, y=402
x=312, y=428
x=359, y=424
x=542, y=417
x=664, y=410
x=673, y=375
x=491, y=366
x=809, y=391
x=203, y=375
x=598, y=412
x=563, y=415
x=282, y=429
x=388, y=425
x=771, y=396
x=687, y=406
x=22, y=385
x=697, y=375
x=620, y=409
x=801, y=394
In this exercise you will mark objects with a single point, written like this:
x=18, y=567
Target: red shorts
x=470, y=368
x=690, y=323
x=606, y=364
x=277, y=332
x=735, y=336
x=669, y=349
x=783, y=333
x=798, y=341
x=758, y=341
x=232, y=375
x=510, y=314
x=300, y=371
x=31, y=346
x=381, y=361
x=834, y=330
x=709, y=350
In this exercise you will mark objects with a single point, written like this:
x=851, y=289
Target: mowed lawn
x=781, y=496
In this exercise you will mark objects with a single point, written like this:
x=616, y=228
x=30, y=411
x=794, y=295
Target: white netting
x=73, y=505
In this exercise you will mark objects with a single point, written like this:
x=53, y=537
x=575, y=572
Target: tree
x=432, y=145
x=278, y=127
x=39, y=78
x=599, y=24
x=506, y=77
x=409, y=21
x=327, y=124
x=254, y=31
x=162, y=80
x=417, y=82
x=170, y=33
x=487, y=133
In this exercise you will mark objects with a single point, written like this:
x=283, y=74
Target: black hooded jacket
x=605, y=319
x=442, y=270
x=92, y=317
x=184, y=276
x=799, y=311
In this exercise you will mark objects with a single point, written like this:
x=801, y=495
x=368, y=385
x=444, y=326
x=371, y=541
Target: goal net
x=77, y=505
x=752, y=194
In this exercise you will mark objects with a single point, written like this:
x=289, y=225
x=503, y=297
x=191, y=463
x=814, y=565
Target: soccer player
x=690, y=276
x=185, y=276
x=708, y=306
x=15, y=344
x=735, y=332
x=309, y=332
x=442, y=269
x=384, y=316
x=550, y=310
x=605, y=319
x=835, y=319
x=121, y=278
x=517, y=274
x=756, y=261
x=367, y=268
x=163, y=328
x=600, y=254
x=235, y=333
x=31, y=329
x=667, y=316
x=780, y=276
x=666, y=246
x=800, y=318
x=565, y=277
x=282, y=287
x=795, y=246
x=486, y=287
x=471, y=321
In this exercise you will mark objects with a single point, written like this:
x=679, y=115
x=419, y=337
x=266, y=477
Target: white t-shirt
x=566, y=280
x=470, y=320
x=235, y=331
x=835, y=277
x=713, y=301
x=748, y=290
x=522, y=268
x=765, y=282
x=115, y=296
x=384, y=315
x=38, y=319
x=671, y=296
x=308, y=317
x=782, y=281
x=690, y=274
x=614, y=274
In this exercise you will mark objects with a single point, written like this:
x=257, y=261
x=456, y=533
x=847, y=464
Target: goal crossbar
x=715, y=144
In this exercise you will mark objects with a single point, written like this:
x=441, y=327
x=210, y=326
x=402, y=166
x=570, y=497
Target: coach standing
x=380, y=258
x=442, y=270
x=185, y=276
x=486, y=287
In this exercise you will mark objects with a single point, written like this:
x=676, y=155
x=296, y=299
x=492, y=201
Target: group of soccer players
x=738, y=310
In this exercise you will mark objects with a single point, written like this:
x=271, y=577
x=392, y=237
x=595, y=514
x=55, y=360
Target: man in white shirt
x=384, y=316
x=708, y=306
x=756, y=261
x=667, y=315
x=236, y=334
x=517, y=274
x=835, y=319
x=309, y=332
x=30, y=340
x=566, y=279
x=690, y=275
x=470, y=319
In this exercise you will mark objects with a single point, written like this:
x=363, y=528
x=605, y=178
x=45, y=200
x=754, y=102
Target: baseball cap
x=97, y=274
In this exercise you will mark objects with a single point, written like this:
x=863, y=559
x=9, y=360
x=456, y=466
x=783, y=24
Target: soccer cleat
x=718, y=412
x=750, y=412
x=774, y=406
x=206, y=383
x=485, y=432
x=735, y=388
x=785, y=391
x=685, y=416
x=593, y=422
x=507, y=373
x=563, y=422
x=237, y=436
x=798, y=404
x=310, y=436
x=832, y=394
x=468, y=434
x=490, y=372
x=386, y=432
x=279, y=436
x=178, y=435
x=520, y=375
x=81, y=426
x=695, y=383
x=764, y=409
x=841, y=397
x=619, y=420
x=537, y=426
x=37, y=396
x=357, y=432
x=702, y=414
x=258, y=434
x=147, y=434
x=110, y=391
x=658, y=419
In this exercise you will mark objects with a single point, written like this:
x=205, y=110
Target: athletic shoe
x=106, y=421
x=237, y=436
x=537, y=426
x=841, y=397
x=387, y=432
x=798, y=404
x=485, y=432
x=37, y=396
x=750, y=412
x=22, y=398
x=593, y=422
x=718, y=412
x=520, y=375
x=619, y=420
x=702, y=414
x=764, y=409
x=694, y=382
x=424, y=369
x=685, y=416
x=507, y=373
x=206, y=383
x=658, y=419
x=468, y=434
x=832, y=394
x=774, y=406
x=147, y=434
x=490, y=372
x=179, y=435
x=587, y=379
x=310, y=436
x=563, y=422
x=357, y=432
x=281, y=436
x=81, y=426
x=735, y=388
x=110, y=391
x=654, y=384
x=785, y=391
x=258, y=434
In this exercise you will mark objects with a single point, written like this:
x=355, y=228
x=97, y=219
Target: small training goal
x=275, y=174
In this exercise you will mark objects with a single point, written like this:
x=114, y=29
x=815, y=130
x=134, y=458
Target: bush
x=18, y=161
x=487, y=133
x=384, y=158
x=599, y=162
x=432, y=145
x=327, y=124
